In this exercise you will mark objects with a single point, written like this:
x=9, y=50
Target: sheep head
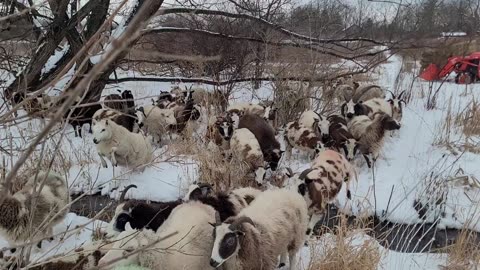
x=226, y=243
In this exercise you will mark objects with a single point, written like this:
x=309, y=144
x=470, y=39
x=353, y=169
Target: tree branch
x=280, y=44
x=276, y=27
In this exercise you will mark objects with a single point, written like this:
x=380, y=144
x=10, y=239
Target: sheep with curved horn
x=254, y=239
x=397, y=107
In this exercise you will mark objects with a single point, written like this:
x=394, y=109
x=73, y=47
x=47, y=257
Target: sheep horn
x=393, y=95
x=239, y=221
x=289, y=172
x=218, y=221
x=303, y=175
x=122, y=196
x=400, y=96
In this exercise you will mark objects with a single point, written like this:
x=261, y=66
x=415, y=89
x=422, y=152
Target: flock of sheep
x=245, y=228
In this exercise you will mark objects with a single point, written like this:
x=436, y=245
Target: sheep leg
x=314, y=219
x=292, y=256
x=288, y=150
x=102, y=160
x=113, y=158
x=283, y=260
x=75, y=129
x=367, y=159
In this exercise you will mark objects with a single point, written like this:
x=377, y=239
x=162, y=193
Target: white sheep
x=155, y=121
x=245, y=146
x=121, y=146
x=188, y=246
x=274, y=224
x=31, y=213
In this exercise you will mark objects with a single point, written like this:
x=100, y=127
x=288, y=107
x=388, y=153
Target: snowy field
x=411, y=163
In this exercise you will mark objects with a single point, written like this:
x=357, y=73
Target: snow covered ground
x=401, y=177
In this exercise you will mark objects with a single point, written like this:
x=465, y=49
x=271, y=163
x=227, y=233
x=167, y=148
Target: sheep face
x=297, y=183
x=348, y=109
x=140, y=117
x=101, y=131
x=197, y=190
x=225, y=245
x=169, y=117
x=396, y=103
x=270, y=113
x=350, y=148
x=319, y=147
x=225, y=127
x=323, y=126
x=274, y=156
x=389, y=123
x=125, y=243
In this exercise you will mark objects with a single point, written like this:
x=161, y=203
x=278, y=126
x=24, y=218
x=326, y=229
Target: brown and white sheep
x=265, y=135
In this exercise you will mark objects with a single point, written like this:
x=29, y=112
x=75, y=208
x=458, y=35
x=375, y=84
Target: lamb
x=115, y=101
x=183, y=242
x=155, y=121
x=121, y=146
x=397, y=107
x=246, y=108
x=302, y=138
x=273, y=224
x=370, y=133
x=315, y=122
x=321, y=183
x=220, y=132
x=139, y=214
x=341, y=138
x=226, y=204
x=245, y=146
x=31, y=213
x=265, y=135
x=126, y=120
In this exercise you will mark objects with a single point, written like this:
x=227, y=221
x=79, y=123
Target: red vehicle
x=466, y=69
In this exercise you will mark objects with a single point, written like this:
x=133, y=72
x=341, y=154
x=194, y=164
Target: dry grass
x=464, y=253
x=345, y=253
x=465, y=120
